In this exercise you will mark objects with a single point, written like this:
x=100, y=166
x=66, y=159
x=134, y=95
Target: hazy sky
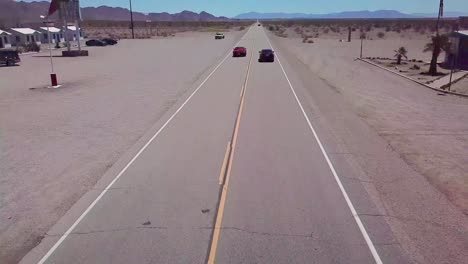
x=234, y=7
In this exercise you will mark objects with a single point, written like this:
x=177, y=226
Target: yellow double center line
x=226, y=170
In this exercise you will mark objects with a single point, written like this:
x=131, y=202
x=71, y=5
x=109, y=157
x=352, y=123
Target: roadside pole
x=454, y=58
x=362, y=42
x=53, y=76
x=131, y=20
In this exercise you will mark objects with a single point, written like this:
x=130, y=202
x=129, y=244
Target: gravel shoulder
x=56, y=144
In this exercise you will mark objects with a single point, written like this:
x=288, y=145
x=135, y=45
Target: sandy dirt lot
x=56, y=144
x=428, y=132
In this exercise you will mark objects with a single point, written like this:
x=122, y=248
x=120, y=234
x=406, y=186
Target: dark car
x=266, y=55
x=239, y=52
x=9, y=57
x=219, y=35
x=109, y=41
x=95, y=42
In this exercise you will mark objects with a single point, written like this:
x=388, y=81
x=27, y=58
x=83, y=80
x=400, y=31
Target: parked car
x=259, y=24
x=109, y=41
x=219, y=36
x=266, y=55
x=9, y=57
x=95, y=42
x=239, y=52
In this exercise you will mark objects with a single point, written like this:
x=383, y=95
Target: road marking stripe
x=90, y=207
x=222, y=202
x=364, y=233
x=223, y=167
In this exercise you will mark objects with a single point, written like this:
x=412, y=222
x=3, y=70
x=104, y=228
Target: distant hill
x=14, y=13
x=446, y=14
x=346, y=14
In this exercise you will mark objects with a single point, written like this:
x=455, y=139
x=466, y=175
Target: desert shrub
x=310, y=41
x=326, y=31
x=380, y=34
x=32, y=47
x=271, y=28
x=353, y=29
x=164, y=34
x=298, y=30
x=387, y=29
x=20, y=49
x=242, y=28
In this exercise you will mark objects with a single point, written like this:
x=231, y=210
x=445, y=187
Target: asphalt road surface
x=236, y=174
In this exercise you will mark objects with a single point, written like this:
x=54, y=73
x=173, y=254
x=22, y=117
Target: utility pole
x=131, y=20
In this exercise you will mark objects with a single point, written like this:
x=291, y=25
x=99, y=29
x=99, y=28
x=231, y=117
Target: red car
x=239, y=52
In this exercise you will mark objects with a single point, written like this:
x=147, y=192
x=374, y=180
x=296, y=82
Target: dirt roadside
x=408, y=144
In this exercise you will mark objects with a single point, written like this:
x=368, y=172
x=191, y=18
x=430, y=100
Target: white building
x=56, y=35
x=71, y=33
x=24, y=36
x=5, y=39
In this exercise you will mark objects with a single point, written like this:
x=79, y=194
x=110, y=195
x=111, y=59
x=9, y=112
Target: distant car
x=9, y=57
x=259, y=24
x=239, y=52
x=95, y=42
x=109, y=41
x=266, y=55
x=219, y=36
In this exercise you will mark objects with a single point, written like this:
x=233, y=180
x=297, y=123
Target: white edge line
x=90, y=207
x=364, y=233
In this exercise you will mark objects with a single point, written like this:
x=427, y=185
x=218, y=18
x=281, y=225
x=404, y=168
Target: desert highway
x=236, y=173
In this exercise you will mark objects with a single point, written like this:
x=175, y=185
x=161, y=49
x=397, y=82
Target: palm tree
x=438, y=44
x=400, y=53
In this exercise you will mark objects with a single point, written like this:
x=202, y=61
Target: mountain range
x=13, y=13
x=346, y=14
x=16, y=13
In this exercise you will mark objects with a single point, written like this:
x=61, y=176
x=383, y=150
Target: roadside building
x=56, y=35
x=5, y=39
x=24, y=36
x=458, y=50
x=71, y=34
